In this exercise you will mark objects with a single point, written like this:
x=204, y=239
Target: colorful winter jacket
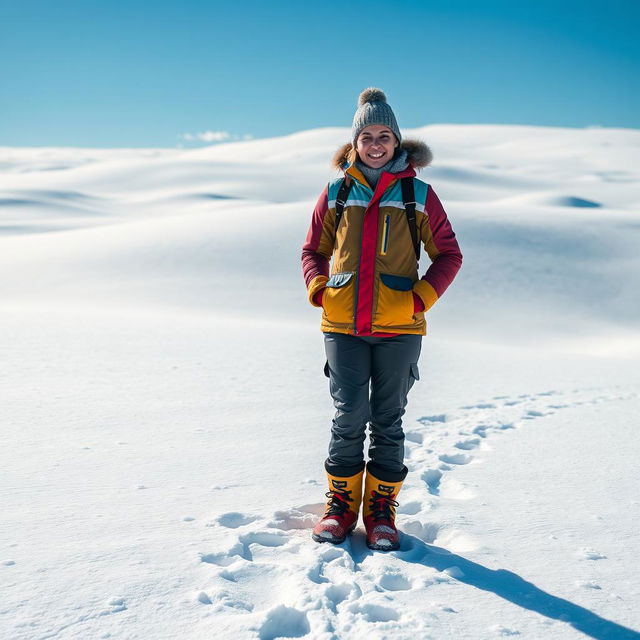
x=374, y=270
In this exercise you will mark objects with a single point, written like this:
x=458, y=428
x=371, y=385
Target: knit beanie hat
x=373, y=109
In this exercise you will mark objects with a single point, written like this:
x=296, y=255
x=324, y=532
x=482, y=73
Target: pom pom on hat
x=372, y=94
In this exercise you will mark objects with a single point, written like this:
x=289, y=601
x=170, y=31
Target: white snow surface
x=165, y=416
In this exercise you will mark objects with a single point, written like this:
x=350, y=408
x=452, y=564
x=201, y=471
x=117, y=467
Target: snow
x=165, y=414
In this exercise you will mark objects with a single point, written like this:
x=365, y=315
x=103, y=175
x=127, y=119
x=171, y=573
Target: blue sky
x=139, y=73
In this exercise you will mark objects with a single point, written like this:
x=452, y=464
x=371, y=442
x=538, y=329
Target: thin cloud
x=212, y=136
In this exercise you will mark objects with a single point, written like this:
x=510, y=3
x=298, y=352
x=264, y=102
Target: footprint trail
x=272, y=580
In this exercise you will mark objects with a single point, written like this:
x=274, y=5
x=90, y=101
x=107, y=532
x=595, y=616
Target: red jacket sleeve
x=441, y=245
x=317, y=248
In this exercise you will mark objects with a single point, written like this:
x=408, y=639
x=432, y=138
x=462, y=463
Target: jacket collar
x=385, y=181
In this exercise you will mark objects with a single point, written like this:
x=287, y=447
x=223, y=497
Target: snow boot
x=341, y=514
x=380, y=490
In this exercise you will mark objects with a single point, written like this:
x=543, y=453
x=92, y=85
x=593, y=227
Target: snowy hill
x=166, y=416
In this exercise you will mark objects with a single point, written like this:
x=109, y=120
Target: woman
x=370, y=224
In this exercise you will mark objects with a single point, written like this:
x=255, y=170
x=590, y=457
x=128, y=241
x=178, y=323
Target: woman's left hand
x=418, y=305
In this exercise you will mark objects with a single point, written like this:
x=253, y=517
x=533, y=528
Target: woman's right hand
x=317, y=298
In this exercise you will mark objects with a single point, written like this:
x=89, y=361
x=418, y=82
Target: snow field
x=166, y=415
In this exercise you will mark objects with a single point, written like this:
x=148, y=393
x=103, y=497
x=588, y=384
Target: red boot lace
x=381, y=504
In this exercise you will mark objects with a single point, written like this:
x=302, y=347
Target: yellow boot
x=341, y=513
x=379, y=509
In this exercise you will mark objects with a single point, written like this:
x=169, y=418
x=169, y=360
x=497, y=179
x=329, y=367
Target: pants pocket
x=395, y=301
x=414, y=375
x=337, y=300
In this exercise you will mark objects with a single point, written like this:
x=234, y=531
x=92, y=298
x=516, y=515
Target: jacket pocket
x=337, y=299
x=395, y=301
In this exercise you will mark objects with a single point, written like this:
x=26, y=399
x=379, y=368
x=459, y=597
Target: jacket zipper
x=385, y=235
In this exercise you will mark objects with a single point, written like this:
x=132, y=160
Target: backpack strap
x=341, y=200
x=409, y=201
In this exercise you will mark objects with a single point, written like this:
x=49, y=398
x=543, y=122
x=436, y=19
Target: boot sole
x=376, y=547
x=333, y=540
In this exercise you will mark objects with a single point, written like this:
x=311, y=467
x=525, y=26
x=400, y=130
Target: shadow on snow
x=501, y=582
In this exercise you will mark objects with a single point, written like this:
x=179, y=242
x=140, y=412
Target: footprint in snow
x=117, y=604
x=532, y=413
x=329, y=554
x=225, y=574
x=264, y=538
x=242, y=548
x=410, y=508
x=338, y=593
x=447, y=609
x=481, y=430
x=234, y=519
x=590, y=554
x=374, y=612
x=224, y=558
x=414, y=436
x=480, y=405
x=315, y=573
x=456, y=458
x=428, y=532
x=588, y=584
x=224, y=600
x=467, y=445
x=429, y=419
x=432, y=478
x=394, y=582
x=284, y=622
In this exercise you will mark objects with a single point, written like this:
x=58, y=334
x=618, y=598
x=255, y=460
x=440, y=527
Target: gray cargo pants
x=390, y=366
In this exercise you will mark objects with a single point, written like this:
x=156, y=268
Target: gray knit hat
x=373, y=109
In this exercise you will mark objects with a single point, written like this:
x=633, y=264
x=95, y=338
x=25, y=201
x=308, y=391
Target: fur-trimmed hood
x=418, y=154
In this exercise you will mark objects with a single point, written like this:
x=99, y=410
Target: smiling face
x=376, y=145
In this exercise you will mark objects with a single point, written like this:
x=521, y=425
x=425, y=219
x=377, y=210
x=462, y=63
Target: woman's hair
x=352, y=156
